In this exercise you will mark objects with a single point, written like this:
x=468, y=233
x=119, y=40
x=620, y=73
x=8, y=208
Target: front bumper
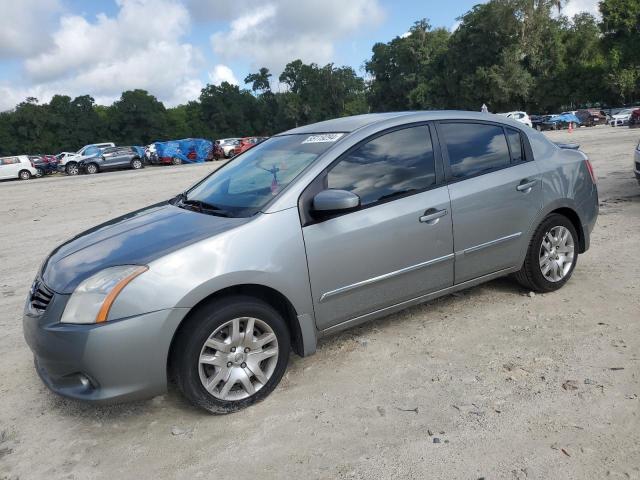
x=117, y=361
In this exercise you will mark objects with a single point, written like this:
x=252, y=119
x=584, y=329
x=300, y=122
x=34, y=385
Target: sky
x=173, y=48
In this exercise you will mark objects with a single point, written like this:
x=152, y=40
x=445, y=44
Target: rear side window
x=390, y=165
x=474, y=148
x=10, y=160
x=515, y=144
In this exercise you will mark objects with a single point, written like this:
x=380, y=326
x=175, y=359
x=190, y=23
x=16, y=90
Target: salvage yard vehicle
x=17, y=166
x=112, y=158
x=44, y=164
x=521, y=117
x=227, y=145
x=621, y=118
x=636, y=163
x=313, y=231
x=591, y=117
x=634, y=120
x=245, y=144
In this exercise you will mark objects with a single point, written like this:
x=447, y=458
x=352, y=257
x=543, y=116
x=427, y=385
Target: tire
x=539, y=256
x=92, y=168
x=136, y=164
x=176, y=161
x=24, y=175
x=209, y=325
x=39, y=172
x=72, y=168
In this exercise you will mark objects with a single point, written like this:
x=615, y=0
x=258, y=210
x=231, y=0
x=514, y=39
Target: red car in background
x=634, y=120
x=246, y=143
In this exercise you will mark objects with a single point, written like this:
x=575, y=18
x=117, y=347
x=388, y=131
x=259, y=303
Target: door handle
x=432, y=216
x=526, y=186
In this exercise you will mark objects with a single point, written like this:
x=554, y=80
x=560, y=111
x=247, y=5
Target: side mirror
x=334, y=201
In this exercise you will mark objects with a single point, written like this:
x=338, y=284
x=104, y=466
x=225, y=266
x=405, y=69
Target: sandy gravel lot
x=481, y=371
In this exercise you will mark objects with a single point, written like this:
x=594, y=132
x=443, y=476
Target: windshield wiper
x=200, y=206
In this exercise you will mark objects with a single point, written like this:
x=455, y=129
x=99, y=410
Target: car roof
x=351, y=124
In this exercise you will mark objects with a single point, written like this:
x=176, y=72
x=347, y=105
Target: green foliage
x=509, y=54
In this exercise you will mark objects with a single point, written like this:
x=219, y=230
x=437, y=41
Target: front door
x=398, y=245
x=495, y=188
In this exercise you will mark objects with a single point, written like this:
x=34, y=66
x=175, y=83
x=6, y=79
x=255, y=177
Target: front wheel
x=72, y=168
x=552, y=255
x=39, y=172
x=230, y=354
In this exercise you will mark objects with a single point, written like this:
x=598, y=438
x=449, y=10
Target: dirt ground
x=490, y=383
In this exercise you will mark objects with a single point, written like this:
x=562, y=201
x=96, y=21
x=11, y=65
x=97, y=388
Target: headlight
x=92, y=299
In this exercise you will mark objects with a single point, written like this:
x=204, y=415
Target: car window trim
x=304, y=205
x=449, y=178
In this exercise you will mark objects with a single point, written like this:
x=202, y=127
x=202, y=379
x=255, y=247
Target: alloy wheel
x=24, y=175
x=91, y=168
x=557, y=253
x=72, y=169
x=238, y=358
x=136, y=164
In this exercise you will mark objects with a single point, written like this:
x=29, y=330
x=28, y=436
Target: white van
x=18, y=166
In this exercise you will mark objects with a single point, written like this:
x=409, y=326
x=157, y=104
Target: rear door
x=398, y=245
x=495, y=189
x=10, y=167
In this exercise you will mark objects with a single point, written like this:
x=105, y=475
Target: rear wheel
x=92, y=168
x=552, y=255
x=39, y=172
x=176, y=161
x=136, y=164
x=24, y=175
x=72, y=168
x=230, y=354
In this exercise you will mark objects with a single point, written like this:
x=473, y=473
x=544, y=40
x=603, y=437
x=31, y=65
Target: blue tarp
x=564, y=118
x=182, y=148
x=139, y=150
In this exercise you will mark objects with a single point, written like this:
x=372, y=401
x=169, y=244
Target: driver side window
x=394, y=164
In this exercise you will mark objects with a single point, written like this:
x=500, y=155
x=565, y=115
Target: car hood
x=133, y=239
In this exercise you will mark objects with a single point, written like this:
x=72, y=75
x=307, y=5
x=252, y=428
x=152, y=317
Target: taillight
x=591, y=172
x=32, y=164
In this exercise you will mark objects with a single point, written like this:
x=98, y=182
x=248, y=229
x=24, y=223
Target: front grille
x=40, y=296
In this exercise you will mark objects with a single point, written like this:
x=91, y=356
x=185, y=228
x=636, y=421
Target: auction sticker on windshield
x=326, y=138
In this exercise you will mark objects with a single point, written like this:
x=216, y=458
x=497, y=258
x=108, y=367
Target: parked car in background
x=634, y=120
x=591, y=117
x=112, y=158
x=621, y=118
x=87, y=149
x=216, y=286
x=18, y=166
x=44, y=164
x=227, y=145
x=636, y=163
x=521, y=117
x=246, y=143
x=69, y=163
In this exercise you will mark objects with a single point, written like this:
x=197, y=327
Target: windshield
x=244, y=186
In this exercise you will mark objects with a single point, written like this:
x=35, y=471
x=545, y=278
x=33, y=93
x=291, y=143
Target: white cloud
x=25, y=26
x=273, y=33
x=140, y=47
x=222, y=73
x=576, y=6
